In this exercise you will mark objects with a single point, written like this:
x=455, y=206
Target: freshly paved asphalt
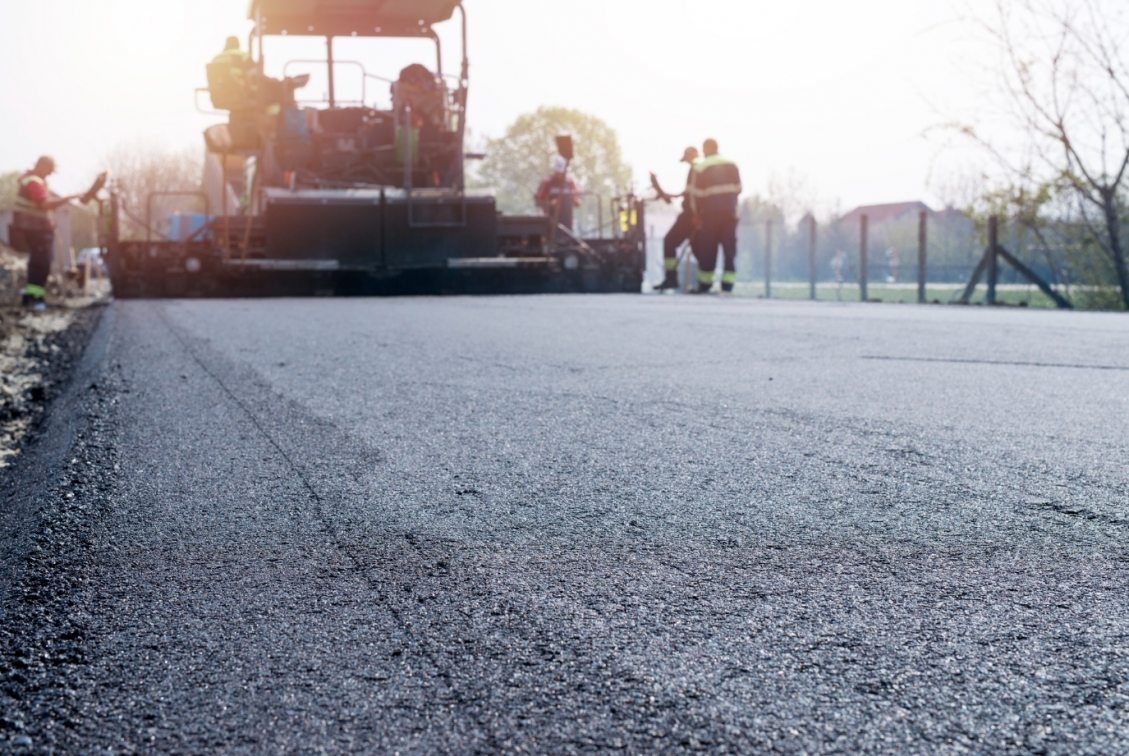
x=579, y=524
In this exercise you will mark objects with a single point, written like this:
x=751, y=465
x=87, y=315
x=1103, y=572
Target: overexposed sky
x=838, y=92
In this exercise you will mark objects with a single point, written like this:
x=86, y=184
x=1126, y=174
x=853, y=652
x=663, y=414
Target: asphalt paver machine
x=350, y=198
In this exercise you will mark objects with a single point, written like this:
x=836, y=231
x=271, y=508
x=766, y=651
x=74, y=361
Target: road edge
x=55, y=490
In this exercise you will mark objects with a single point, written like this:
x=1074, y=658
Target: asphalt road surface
x=575, y=524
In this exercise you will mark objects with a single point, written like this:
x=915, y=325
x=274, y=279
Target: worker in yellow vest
x=714, y=194
x=232, y=78
x=32, y=230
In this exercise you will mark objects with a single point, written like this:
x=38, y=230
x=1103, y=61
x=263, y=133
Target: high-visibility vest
x=238, y=63
x=232, y=56
x=24, y=203
x=716, y=185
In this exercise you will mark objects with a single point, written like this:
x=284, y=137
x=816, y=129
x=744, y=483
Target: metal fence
x=934, y=254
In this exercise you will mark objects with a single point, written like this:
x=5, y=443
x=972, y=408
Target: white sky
x=840, y=92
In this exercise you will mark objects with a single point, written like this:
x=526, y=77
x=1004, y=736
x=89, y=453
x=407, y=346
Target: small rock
x=21, y=741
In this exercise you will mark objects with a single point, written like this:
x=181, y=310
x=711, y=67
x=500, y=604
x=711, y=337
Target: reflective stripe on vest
x=706, y=173
x=24, y=204
x=702, y=163
x=713, y=191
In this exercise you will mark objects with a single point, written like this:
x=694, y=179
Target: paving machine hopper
x=346, y=197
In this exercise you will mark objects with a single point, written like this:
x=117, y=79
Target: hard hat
x=559, y=164
x=232, y=43
x=690, y=155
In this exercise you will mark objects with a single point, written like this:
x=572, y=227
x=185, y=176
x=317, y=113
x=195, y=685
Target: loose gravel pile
x=13, y=275
x=37, y=350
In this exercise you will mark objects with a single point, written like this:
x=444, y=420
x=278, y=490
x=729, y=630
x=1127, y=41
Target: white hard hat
x=559, y=164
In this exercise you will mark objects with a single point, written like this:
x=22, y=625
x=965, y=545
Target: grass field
x=1010, y=294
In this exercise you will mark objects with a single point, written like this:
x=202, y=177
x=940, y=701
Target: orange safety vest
x=24, y=203
x=29, y=215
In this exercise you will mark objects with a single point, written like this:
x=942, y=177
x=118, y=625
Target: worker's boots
x=670, y=282
x=32, y=302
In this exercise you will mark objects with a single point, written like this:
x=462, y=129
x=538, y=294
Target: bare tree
x=1064, y=75
x=793, y=194
x=141, y=171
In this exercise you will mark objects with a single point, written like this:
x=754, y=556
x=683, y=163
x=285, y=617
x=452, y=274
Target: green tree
x=517, y=161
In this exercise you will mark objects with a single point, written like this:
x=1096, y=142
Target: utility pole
x=922, y=220
x=993, y=257
x=768, y=259
x=862, y=258
x=811, y=259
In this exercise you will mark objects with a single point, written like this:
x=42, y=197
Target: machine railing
x=365, y=75
x=409, y=172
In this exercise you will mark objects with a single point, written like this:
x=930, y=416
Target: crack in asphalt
x=360, y=568
x=1017, y=363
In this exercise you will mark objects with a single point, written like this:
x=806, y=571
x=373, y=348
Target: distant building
x=892, y=231
x=878, y=215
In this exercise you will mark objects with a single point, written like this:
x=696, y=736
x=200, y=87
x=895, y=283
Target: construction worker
x=32, y=227
x=230, y=78
x=716, y=187
x=685, y=225
x=236, y=85
x=558, y=190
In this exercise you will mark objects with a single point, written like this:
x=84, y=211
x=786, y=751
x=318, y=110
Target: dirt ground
x=13, y=276
x=36, y=349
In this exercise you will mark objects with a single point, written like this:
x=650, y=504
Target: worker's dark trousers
x=39, y=246
x=682, y=230
x=718, y=229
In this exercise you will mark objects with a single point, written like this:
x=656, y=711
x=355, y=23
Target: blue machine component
x=181, y=226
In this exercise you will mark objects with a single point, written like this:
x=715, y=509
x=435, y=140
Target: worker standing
x=684, y=228
x=559, y=190
x=33, y=231
x=716, y=187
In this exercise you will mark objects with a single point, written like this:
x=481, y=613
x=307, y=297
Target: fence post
x=811, y=259
x=863, y=273
x=922, y=220
x=993, y=266
x=768, y=259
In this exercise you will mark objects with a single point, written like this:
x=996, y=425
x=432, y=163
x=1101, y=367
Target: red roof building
x=880, y=214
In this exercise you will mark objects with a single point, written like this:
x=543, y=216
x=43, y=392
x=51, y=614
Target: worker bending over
x=684, y=228
x=558, y=190
x=32, y=230
x=716, y=187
